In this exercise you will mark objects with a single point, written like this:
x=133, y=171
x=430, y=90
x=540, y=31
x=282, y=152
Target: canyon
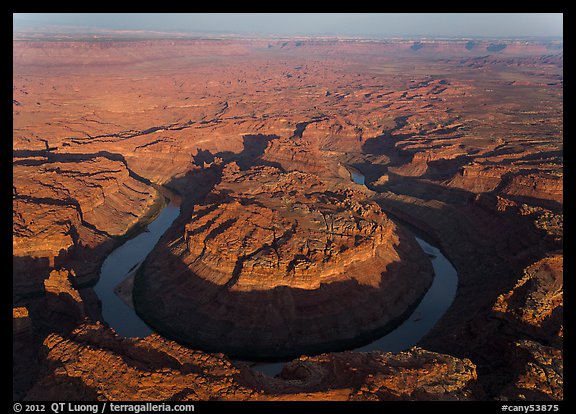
x=276, y=252
x=277, y=264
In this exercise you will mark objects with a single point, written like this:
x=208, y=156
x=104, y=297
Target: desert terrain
x=276, y=251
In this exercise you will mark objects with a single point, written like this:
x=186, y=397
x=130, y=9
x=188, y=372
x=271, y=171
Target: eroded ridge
x=462, y=139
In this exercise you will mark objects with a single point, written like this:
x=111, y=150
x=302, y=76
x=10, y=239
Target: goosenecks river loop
x=123, y=262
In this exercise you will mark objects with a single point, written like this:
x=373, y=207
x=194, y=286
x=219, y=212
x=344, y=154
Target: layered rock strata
x=62, y=300
x=276, y=264
x=21, y=323
x=96, y=364
x=71, y=210
x=536, y=304
x=467, y=146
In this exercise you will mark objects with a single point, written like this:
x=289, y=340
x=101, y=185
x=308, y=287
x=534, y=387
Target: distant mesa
x=495, y=47
x=417, y=46
x=470, y=45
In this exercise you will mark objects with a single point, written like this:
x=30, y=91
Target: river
x=433, y=305
x=123, y=262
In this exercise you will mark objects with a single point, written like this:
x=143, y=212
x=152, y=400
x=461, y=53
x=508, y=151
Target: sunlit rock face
x=461, y=139
x=273, y=264
x=68, y=209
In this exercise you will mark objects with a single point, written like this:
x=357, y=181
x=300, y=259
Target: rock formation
x=535, y=305
x=539, y=371
x=461, y=139
x=21, y=323
x=24, y=351
x=95, y=364
x=66, y=211
x=276, y=264
x=62, y=300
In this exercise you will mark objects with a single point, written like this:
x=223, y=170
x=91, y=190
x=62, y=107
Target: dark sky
x=346, y=24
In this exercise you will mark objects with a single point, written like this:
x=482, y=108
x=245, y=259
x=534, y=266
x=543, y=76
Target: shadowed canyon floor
x=462, y=143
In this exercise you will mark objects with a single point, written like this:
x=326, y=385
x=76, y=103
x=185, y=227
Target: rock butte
x=277, y=264
x=460, y=139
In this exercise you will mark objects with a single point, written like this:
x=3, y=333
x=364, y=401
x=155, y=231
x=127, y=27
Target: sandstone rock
x=69, y=213
x=296, y=155
x=90, y=117
x=279, y=264
x=416, y=374
x=535, y=304
x=540, y=373
x=96, y=364
x=102, y=191
x=62, y=299
x=24, y=351
x=21, y=322
x=531, y=310
x=544, y=188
